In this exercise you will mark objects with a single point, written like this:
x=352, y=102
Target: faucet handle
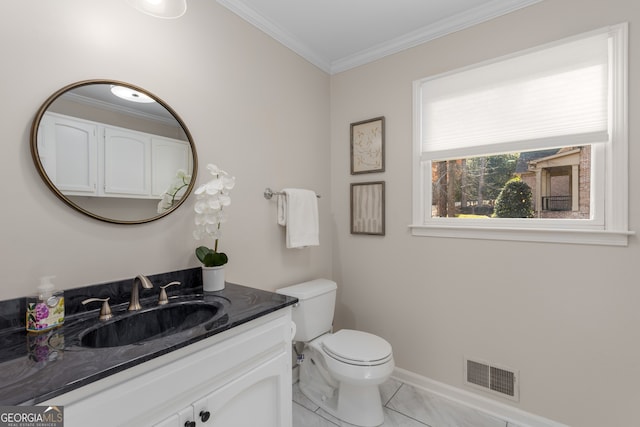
x=163, y=293
x=105, y=311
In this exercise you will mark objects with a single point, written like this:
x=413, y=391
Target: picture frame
x=367, y=146
x=368, y=208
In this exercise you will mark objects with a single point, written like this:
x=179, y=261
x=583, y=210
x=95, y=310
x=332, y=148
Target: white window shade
x=550, y=97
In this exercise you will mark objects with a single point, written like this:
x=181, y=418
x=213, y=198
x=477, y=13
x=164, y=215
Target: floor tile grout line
x=408, y=416
x=327, y=419
x=394, y=394
x=450, y=401
x=315, y=413
x=318, y=413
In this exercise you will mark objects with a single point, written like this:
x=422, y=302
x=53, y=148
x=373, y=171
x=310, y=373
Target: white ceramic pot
x=213, y=278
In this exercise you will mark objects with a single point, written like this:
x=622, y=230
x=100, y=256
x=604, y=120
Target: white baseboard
x=489, y=406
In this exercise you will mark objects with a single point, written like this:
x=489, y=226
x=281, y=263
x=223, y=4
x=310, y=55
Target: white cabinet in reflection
x=127, y=163
x=168, y=156
x=68, y=153
x=85, y=158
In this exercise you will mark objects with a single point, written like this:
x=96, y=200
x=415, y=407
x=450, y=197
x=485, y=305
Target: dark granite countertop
x=35, y=368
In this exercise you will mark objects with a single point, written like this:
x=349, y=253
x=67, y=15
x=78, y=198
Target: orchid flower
x=211, y=198
x=179, y=183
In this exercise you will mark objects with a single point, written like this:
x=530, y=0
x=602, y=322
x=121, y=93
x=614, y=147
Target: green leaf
x=201, y=253
x=210, y=258
x=220, y=258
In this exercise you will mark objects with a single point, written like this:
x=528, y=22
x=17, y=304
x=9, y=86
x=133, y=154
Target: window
x=532, y=146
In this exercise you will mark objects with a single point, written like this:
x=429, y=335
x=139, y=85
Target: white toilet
x=341, y=371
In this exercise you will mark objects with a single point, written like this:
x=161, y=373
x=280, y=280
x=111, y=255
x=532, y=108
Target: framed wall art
x=367, y=146
x=367, y=208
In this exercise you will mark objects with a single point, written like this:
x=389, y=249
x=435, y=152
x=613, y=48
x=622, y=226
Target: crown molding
x=280, y=34
x=441, y=28
x=85, y=100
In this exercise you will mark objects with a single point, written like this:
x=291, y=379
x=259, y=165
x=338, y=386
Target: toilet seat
x=357, y=348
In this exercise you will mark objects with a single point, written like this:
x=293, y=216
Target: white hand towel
x=298, y=212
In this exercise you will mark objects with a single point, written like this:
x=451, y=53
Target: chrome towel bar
x=269, y=193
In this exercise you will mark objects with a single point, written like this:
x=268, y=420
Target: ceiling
x=100, y=95
x=336, y=35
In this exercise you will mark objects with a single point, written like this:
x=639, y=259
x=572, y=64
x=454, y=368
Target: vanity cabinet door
x=172, y=421
x=260, y=397
x=68, y=153
x=127, y=163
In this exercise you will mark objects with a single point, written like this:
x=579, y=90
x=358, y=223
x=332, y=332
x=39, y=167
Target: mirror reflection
x=113, y=151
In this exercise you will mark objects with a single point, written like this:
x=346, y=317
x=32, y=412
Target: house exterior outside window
x=553, y=117
x=560, y=181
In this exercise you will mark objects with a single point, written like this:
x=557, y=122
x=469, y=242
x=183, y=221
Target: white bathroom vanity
x=240, y=377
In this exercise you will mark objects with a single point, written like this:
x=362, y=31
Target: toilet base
x=360, y=406
x=357, y=405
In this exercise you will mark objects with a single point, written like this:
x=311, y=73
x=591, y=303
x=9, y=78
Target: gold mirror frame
x=43, y=174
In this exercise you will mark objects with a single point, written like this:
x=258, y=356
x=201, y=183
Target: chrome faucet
x=134, y=304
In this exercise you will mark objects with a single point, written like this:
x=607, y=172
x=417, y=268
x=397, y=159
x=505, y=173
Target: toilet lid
x=356, y=347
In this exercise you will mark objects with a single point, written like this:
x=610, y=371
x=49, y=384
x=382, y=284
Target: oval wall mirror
x=114, y=151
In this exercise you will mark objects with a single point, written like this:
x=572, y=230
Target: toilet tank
x=313, y=315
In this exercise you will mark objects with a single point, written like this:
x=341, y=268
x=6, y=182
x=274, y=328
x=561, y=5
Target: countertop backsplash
x=12, y=312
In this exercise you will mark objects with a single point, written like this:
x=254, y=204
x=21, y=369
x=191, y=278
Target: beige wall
x=566, y=316
x=253, y=107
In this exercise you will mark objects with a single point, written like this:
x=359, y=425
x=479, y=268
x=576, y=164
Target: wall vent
x=499, y=380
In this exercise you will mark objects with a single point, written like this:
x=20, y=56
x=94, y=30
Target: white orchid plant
x=211, y=200
x=175, y=191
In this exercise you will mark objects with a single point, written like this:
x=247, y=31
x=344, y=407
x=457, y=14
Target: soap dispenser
x=45, y=310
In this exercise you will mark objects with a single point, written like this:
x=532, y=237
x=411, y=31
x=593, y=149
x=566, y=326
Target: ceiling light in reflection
x=131, y=94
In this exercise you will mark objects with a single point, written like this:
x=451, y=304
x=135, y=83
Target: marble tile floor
x=404, y=406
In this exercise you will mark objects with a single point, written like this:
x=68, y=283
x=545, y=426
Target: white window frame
x=609, y=223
